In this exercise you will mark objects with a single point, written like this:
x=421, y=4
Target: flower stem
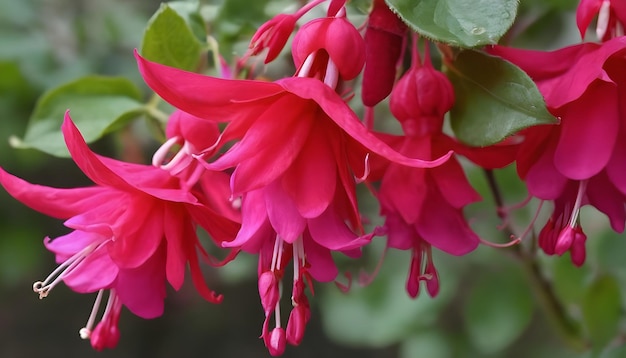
x=567, y=327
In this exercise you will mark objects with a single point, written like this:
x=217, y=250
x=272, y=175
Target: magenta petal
x=87, y=160
x=543, y=180
x=400, y=235
x=199, y=95
x=445, y=227
x=616, y=168
x=282, y=213
x=344, y=117
x=453, y=185
x=142, y=289
x=330, y=231
x=97, y=271
x=177, y=232
x=606, y=198
x=253, y=218
x=312, y=178
x=323, y=268
x=58, y=203
x=66, y=246
x=139, y=238
x=589, y=131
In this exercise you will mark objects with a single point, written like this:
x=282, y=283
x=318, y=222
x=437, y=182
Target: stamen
x=44, y=287
x=366, y=170
x=331, y=78
x=159, y=156
x=582, y=187
x=85, y=332
x=532, y=223
x=306, y=66
x=603, y=19
x=514, y=241
x=365, y=279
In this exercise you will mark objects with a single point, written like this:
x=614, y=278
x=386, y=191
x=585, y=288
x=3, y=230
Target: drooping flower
x=299, y=147
x=133, y=232
x=424, y=207
x=580, y=161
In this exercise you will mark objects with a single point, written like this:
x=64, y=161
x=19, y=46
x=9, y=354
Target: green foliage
x=97, y=104
x=495, y=103
x=382, y=313
x=602, y=308
x=498, y=310
x=171, y=38
x=458, y=23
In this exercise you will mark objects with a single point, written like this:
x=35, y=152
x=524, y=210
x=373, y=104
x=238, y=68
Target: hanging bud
x=340, y=40
x=384, y=38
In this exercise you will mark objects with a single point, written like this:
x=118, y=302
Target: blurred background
x=486, y=307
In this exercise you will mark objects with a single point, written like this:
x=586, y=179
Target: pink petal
x=87, y=160
x=453, y=185
x=445, y=228
x=97, y=271
x=400, y=235
x=589, y=131
x=138, y=239
x=616, y=168
x=282, y=213
x=253, y=218
x=606, y=198
x=323, y=268
x=330, y=231
x=58, y=203
x=67, y=245
x=312, y=178
x=543, y=180
x=344, y=117
x=177, y=233
x=142, y=289
x=404, y=187
x=199, y=95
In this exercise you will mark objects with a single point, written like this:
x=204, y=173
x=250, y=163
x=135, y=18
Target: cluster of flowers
x=279, y=181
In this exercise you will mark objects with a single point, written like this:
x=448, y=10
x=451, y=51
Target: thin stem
x=541, y=286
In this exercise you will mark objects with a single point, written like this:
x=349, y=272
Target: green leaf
x=382, y=313
x=498, y=310
x=494, y=99
x=98, y=105
x=569, y=281
x=170, y=40
x=460, y=23
x=602, y=310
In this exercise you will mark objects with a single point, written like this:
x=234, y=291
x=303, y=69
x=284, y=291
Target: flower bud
x=384, y=38
x=338, y=37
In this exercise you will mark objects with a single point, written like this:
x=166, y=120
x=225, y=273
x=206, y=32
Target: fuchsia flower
x=424, y=207
x=299, y=146
x=611, y=17
x=581, y=161
x=133, y=231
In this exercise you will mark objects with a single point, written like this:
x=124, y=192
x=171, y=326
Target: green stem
x=152, y=109
x=567, y=328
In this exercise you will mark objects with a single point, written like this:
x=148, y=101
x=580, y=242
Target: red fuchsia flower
x=299, y=147
x=581, y=161
x=120, y=242
x=424, y=207
x=611, y=17
x=384, y=40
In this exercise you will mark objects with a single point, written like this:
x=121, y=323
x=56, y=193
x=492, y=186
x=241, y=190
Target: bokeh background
x=486, y=307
